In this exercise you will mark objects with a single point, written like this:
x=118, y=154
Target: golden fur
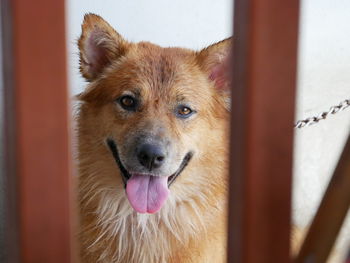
x=191, y=226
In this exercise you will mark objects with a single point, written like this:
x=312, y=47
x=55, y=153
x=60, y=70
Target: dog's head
x=155, y=109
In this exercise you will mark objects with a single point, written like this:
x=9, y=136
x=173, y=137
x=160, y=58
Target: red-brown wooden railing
x=263, y=99
x=41, y=142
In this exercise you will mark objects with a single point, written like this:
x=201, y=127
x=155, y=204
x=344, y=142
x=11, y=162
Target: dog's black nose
x=150, y=156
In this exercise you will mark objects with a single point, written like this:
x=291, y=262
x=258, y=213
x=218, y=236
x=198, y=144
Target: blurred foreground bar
x=37, y=131
x=263, y=100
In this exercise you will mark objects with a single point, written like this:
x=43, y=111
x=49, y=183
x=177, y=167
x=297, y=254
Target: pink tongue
x=147, y=193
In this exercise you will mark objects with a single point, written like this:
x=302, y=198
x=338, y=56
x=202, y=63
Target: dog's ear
x=214, y=60
x=99, y=44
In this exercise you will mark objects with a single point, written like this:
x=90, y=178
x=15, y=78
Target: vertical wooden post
x=10, y=250
x=40, y=119
x=263, y=98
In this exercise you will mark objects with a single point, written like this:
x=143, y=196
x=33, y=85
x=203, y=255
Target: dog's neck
x=111, y=231
x=119, y=234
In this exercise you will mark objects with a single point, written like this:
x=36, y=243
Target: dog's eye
x=128, y=102
x=184, y=111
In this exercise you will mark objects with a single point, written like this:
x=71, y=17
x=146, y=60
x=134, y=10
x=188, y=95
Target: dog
x=153, y=136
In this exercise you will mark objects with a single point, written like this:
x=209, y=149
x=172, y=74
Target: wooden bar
x=42, y=130
x=10, y=239
x=330, y=215
x=263, y=100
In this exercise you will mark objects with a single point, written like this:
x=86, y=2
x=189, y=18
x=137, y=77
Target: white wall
x=186, y=23
x=324, y=69
x=324, y=81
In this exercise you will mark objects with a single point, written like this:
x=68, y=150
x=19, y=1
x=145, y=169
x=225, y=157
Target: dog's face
x=153, y=107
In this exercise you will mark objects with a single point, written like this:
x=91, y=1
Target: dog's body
x=152, y=131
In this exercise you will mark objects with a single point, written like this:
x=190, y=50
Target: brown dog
x=152, y=131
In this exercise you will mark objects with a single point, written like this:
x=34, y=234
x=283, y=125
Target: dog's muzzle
x=147, y=161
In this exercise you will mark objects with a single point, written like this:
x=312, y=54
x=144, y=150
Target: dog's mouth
x=124, y=173
x=146, y=192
